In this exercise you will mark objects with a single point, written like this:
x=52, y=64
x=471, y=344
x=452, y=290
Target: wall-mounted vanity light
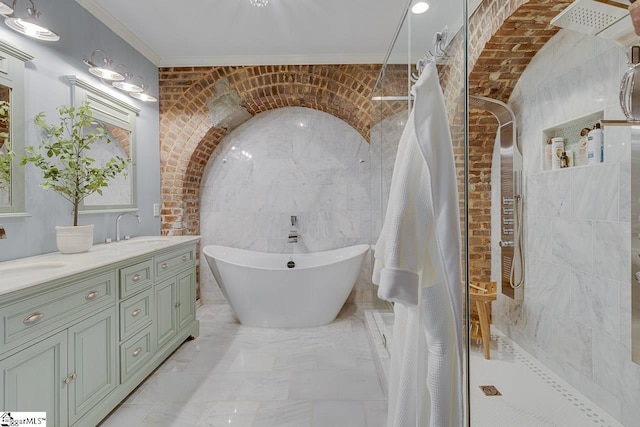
x=136, y=88
x=143, y=96
x=29, y=25
x=123, y=80
x=104, y=70
x=128, y=84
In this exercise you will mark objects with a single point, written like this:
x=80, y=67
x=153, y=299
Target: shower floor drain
x=490, y=390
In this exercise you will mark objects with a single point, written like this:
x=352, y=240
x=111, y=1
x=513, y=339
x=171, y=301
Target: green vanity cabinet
x=186, y=291
x=175, y=305
x=65, y=374
x=176, y=295
x=166, y=305
x=93, y=366
x=76, y=346
x=32, y=379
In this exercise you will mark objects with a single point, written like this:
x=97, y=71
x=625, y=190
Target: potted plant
x=67, y=169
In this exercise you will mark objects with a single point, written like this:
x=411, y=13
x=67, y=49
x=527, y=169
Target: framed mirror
x=118, y=119
x=11, y=129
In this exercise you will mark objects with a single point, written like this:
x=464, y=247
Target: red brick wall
x=503, y=37
x=187, y=138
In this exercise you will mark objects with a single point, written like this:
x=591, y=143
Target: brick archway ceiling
x=505, y=36
x=187, y=138
x=507, y=42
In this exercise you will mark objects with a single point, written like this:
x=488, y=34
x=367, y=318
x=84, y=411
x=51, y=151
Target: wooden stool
x=482, y=293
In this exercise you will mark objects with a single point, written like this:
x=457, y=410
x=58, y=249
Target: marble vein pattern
x=287, y=162
x=575, y=315
x=234, y=375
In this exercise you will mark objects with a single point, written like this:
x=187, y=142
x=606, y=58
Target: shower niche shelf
x=570, y=131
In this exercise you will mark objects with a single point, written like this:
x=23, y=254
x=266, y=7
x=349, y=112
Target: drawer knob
x=164, y=265
x=69, y=378
x=91, y=295
x=137, y=351
x=32, y=318
x=137, y=277
x=184, y=258
x=178, y=304
x=135, y=312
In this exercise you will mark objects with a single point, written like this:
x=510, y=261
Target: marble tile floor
x=532, y=395
x=234, y=375
x=525, y=384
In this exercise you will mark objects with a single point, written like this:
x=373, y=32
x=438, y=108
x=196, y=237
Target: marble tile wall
x=289, y=161
x=575, y=316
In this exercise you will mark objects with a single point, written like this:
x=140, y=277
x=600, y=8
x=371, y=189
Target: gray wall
x=46, y=88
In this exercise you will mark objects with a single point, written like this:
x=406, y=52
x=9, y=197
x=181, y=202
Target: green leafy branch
x=62, y=156
x=6, y=154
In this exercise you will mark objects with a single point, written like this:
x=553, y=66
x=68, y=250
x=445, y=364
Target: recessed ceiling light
x=420, y=7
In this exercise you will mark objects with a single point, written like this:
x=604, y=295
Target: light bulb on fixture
x=142, y=96
x=419, y=7
x=29, y=26
x=127, y=84
x=259, y=3
x=104, y=71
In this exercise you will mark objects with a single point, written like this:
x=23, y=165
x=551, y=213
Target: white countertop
x=25, y=272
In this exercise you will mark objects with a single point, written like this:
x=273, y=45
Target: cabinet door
x=33, y=380
x=92, y=361
x=186, y=298
x=166, y=324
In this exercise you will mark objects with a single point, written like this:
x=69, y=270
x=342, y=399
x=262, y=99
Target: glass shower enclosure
x=418, y=38
x=552, y=344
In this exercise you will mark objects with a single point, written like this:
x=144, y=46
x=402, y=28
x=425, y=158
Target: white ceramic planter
x=74, y=239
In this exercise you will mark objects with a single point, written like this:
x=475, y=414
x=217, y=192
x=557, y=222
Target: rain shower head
x=608, y=19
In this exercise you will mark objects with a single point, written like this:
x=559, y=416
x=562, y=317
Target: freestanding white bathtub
x=263, y=291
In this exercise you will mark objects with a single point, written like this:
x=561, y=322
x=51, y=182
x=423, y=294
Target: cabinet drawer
x=172, y=262
x=135, y=314
x=34, y=316
x=135, y=353
x=135, y=278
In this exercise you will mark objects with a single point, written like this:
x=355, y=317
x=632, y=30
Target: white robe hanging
x=417, y=266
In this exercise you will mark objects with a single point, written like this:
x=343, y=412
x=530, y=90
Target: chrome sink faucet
x=118, y=222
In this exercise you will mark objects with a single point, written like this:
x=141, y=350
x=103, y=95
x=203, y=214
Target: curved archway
x=505, y=37
x=188, y=137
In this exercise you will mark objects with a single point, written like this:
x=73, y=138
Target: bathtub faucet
x=293, y=231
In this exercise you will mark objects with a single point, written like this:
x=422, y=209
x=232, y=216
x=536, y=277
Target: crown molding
x=201, y=61
x=116, y=26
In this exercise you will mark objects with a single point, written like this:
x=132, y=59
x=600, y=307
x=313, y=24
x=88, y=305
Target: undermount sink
x=146, y=240
x=31, y=267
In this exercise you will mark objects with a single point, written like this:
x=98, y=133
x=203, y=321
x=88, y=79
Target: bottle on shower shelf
x=556, y=151
x=595, y=145
x=582, y=158
x=564, y=160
